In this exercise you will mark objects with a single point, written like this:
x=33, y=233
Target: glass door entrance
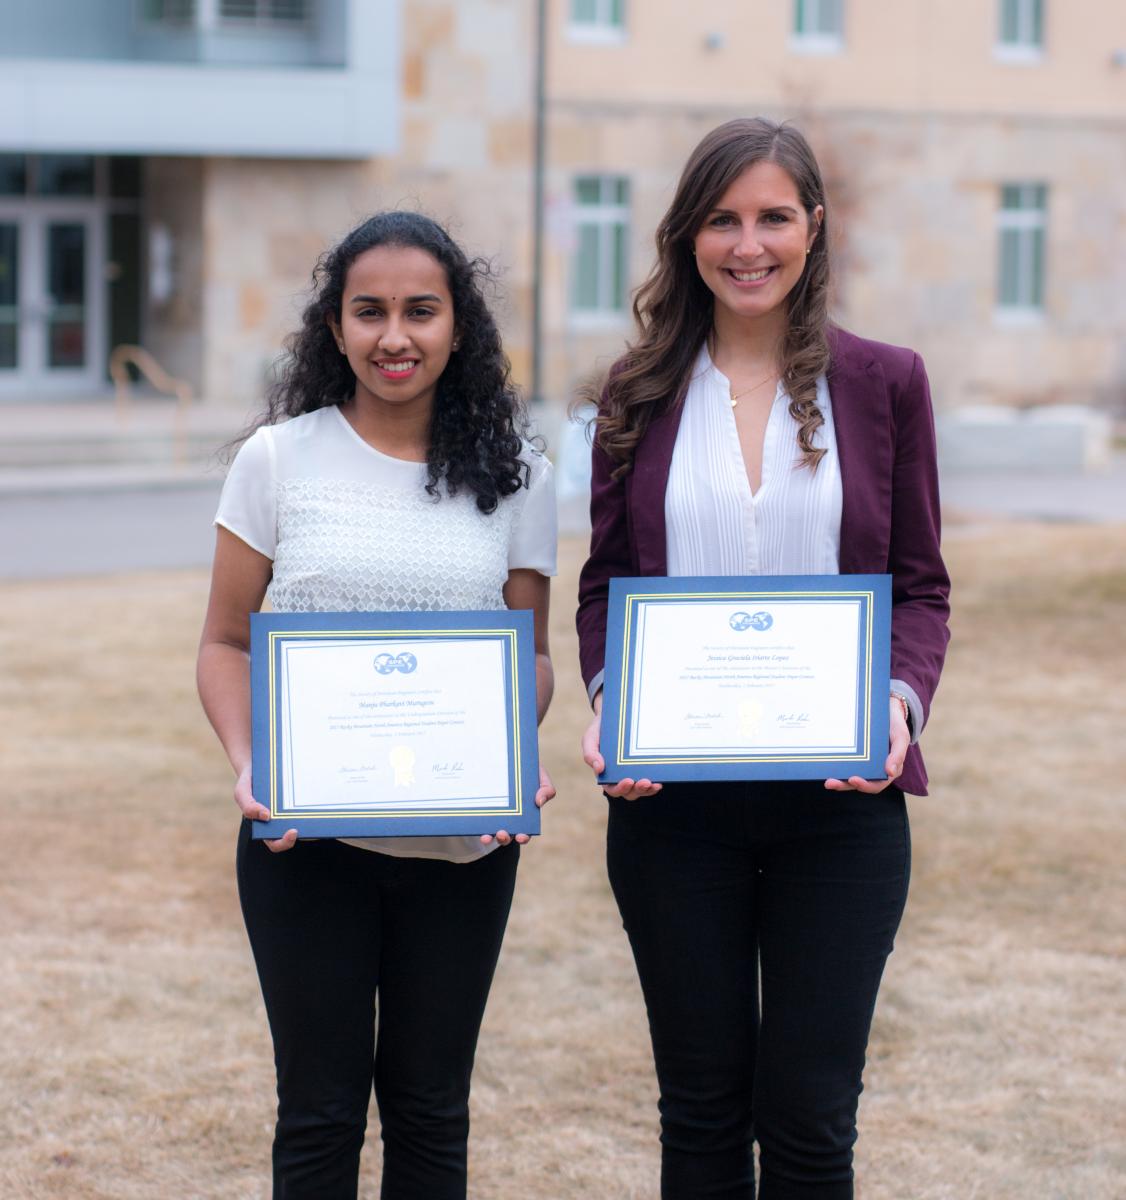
x=51, y=332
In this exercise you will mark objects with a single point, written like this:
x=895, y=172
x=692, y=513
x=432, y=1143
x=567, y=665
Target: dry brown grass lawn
x=134, y=1057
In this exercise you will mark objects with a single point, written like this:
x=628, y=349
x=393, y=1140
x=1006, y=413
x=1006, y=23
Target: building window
x=265, y=12
x=597, y=20
x=205, y=13
x=1022, y=229
x=600, y=267
x=171, y=12
x=13, y=174
x=1020, y=32
x=818, y=26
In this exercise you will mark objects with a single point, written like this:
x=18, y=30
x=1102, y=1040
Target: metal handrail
x=124, y=356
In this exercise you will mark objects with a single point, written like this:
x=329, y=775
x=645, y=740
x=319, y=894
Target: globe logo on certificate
x=761, y=621
x=387, y=664
x=739, y=621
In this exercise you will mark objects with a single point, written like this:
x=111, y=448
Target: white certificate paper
x=717, y=677
x=394, y=724
x=759, y=677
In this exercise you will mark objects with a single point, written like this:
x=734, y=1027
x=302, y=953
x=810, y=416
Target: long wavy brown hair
x=673, y=308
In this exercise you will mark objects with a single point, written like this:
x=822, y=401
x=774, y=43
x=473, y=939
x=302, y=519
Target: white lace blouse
x=350, y=529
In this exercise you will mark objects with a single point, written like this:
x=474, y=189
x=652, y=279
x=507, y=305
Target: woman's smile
x=397, y=369
x=750, y=279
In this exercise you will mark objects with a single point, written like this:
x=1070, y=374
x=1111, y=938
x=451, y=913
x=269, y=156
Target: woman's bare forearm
x=223, y=678
x=545, y=685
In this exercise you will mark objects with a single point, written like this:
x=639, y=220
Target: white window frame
x=806, y=33
x=1028, y=45
x=261, y=17
x=602, y=29
x=1029, y=219
x=189, y=21
x=606, y=217
x=208, y=15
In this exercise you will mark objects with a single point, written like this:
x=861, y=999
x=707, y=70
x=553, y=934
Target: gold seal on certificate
x=746, y=678
x=386, y=724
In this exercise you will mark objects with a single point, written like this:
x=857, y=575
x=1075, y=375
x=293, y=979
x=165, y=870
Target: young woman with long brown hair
x=743, y=434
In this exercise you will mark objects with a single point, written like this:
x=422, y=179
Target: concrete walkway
x=1038, y=496
x=85, y=490
x=82, y=532
x=150, y=522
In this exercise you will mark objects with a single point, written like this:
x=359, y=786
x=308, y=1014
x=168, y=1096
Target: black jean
x=332, y=928
x=760, y=916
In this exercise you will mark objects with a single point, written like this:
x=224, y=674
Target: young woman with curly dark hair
x=743, y=434
x=400, y=480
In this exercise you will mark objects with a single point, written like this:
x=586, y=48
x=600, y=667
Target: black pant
x=332, y=926
x=728, y=888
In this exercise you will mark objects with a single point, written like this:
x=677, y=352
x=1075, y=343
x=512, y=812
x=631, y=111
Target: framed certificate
x=394, y=724
x=771, y=677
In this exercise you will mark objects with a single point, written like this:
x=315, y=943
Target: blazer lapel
x=863, y=425
x=647, y=482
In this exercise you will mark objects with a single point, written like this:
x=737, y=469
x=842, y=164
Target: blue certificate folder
x=737, y=677
x=394, y=724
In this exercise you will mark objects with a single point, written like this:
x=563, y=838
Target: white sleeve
x=248, y=505
x=535, y=530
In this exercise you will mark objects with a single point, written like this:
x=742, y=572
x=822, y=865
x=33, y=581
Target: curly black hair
x=478, y=416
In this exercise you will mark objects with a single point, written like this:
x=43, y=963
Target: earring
x=455, y=344
x=341, y=344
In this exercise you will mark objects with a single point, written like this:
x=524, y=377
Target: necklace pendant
x=733, y=401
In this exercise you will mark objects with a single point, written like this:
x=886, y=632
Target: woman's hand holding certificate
x=893, y=768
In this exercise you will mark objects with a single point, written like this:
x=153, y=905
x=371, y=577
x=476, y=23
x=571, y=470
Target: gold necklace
x=737, y=396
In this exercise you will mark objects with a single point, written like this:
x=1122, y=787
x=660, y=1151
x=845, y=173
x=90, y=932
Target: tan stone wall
x=910, y=54
x=913, y=207
x=265, y=223
x=921, y=258
x=916, y=123
x=466, y=146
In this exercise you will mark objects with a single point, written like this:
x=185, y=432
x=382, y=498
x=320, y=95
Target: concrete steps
x=82, y=446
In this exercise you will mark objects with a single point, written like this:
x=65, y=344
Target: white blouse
x=714, y=524
x=350, y=529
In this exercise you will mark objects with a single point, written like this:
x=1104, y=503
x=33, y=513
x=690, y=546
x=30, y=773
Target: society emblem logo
x=740, y=621
x=388, y=664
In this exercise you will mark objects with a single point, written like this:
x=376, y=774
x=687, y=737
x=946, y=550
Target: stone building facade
x=974, y=152
x=926, y=118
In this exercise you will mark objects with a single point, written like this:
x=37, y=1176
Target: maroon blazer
x=889, y=521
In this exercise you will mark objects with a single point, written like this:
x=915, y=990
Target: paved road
x=84, y=533
x=1040, y=496
x=94, y=532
